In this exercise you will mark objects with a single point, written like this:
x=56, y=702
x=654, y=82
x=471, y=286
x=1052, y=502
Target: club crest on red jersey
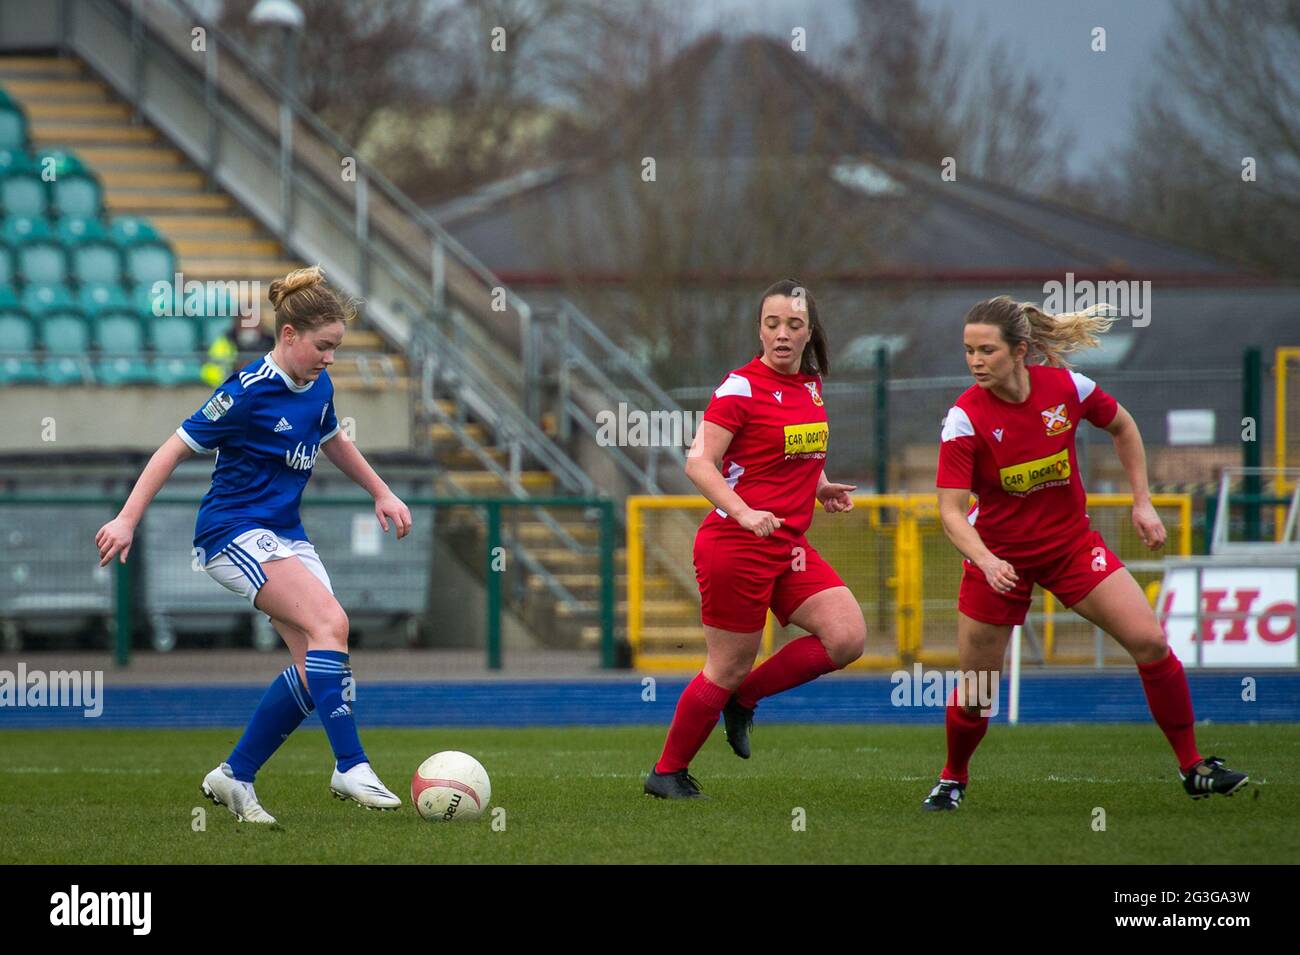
x=1055, y=420
x=812, y=390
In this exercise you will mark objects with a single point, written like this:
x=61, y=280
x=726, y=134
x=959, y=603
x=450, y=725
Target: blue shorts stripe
x=241, y=561
x=252, y=563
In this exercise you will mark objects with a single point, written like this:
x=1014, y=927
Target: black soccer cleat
x=1210, y=777
x=945, y=797
x=738, y=720
x=678, y=785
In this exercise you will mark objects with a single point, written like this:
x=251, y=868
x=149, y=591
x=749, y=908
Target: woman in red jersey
x=759, y=457
x=1009, y=439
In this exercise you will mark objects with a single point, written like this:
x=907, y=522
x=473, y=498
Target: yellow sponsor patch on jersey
x=806, y=438
x=1019, y=478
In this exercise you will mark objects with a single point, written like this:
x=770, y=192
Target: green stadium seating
x=66, y=340
x=13, y=128
x=77, y=194
x=23, y=193
x=125, y=230
x=43, y=262
x=19, y=229
x=18, y=363
x=149, y=261
x=120, y=338
x=175, y=344
x=9, y=158
x=6, y=266
x=8, y=298
x=41, y=300
x=73, y=230
x=96, y=261
x=102, y=298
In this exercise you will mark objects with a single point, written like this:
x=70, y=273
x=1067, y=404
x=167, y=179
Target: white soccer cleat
x=362, y=785
x=224, y=789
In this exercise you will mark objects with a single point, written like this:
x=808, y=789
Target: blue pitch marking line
x=1092, y=698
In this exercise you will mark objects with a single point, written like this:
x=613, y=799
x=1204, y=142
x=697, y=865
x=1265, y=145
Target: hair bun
x=295, y=281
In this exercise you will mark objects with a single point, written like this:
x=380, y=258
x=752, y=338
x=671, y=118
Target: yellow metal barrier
x=891, y=552
x=1286, y=423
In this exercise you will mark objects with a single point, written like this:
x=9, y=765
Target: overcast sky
x=1097, y=91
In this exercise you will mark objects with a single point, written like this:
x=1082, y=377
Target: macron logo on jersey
x=777, y=396
x=283, y=426
x=997, y=433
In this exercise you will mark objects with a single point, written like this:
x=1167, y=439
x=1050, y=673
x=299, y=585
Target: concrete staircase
x=215, y=239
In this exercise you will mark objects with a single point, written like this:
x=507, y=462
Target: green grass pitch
x=574, y=795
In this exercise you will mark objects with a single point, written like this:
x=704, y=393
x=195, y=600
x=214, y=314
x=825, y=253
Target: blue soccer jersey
x=267, y=431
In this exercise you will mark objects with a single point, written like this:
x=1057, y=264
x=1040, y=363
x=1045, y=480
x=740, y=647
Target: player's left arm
x=835, y=498
x=1133, y=456
x=348, y=458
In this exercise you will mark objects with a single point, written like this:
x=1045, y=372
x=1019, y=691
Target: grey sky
x=1097, y=92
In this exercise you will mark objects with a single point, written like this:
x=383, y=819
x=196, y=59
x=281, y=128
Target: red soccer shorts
x=1070, y=574
x=742, y=575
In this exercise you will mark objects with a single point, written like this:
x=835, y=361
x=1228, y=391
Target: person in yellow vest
x=226, y=349
x=221, y=360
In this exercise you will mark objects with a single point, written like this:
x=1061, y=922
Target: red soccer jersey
x=1020, y=462
x=778, y=451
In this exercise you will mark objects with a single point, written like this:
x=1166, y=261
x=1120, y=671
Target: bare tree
x=944, y=95
x=1214, y=160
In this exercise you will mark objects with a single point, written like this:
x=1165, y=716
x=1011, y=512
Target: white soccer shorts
x=239, y=565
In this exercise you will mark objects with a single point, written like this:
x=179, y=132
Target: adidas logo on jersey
x=343, y=710
x=283, y=426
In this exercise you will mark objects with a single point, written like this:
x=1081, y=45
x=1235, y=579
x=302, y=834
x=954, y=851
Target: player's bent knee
x=844, y=645
x=1150, y=649
x=330, y=631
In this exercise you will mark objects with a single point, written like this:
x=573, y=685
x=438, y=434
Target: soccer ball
x=450, y=786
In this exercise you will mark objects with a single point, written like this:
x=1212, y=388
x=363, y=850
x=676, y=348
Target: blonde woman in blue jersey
x=269, y=421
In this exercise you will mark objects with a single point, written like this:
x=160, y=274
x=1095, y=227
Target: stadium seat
x=77, y=194
x=42, y=262
x=19, y=229
x=9, y=158
x=125, y=230
x=96, y=261
x=66, y=340
x=101, y=298
x=6, y=266
x=175, y=343
x=13, y=127
x=121, y=343
x=73, y=230
x=42, y=300
x=8, y=298
x=18, y=363
x=23, y=192
x=149, y=261
x=120, y=338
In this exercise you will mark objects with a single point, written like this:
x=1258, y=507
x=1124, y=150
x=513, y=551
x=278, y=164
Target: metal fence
x=52, y=588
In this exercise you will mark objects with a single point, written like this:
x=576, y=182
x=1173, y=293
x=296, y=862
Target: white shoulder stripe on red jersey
x=1083, y=385
x=735, y=384
x=957, y=424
